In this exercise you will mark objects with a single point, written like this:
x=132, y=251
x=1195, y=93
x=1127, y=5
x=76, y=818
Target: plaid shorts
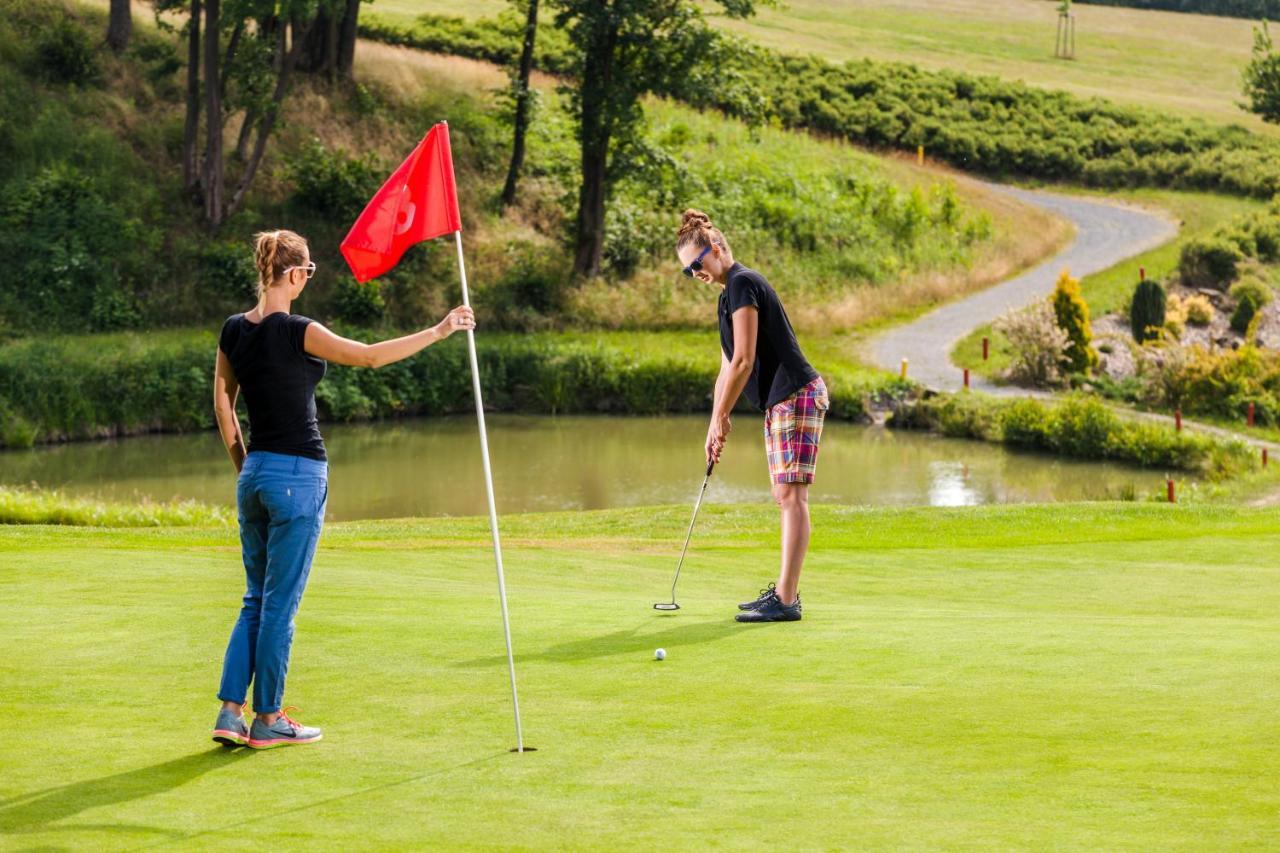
x=792, y=430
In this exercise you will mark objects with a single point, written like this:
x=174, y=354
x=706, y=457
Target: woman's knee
x=791, y=495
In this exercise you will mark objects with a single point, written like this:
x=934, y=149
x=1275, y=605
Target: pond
x=431, y=467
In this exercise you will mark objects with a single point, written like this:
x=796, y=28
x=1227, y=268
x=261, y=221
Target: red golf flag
x=418, y=202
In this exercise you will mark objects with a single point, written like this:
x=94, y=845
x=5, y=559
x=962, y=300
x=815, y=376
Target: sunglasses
x=310, y=267
x=696, y=266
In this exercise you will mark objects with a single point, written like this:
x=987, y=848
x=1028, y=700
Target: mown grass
x=1017, y=677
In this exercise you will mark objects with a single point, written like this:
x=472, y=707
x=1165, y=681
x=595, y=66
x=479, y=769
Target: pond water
x=431, y=467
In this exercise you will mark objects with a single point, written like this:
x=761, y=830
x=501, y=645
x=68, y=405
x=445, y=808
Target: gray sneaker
x=283, y=732
x=230, y=729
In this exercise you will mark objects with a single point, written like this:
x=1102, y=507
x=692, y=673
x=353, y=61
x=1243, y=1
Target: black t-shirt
x=279, y=381
x=780, y=369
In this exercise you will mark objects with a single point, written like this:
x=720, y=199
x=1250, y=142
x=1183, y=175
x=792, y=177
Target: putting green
x=1080, y=675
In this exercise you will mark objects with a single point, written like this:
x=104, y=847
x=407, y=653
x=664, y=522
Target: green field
x=1185, y=64
x=1038, y=677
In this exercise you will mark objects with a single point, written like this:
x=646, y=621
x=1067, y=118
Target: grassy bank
x=90, y=386
x=34, y=506
x=1019, y=677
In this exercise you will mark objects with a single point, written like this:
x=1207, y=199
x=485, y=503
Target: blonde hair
x=696, y=230
x=273, y=251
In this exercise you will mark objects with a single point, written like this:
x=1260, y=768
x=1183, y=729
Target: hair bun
x=694, y=220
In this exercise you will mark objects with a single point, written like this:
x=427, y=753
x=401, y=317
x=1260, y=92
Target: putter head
x=665, y=605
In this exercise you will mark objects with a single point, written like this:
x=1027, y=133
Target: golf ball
x=660, y=654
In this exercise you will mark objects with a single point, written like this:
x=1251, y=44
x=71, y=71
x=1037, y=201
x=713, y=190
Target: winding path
x=1106, y=234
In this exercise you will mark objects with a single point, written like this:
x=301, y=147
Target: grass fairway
x=1072, y=675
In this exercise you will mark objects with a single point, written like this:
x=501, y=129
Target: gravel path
x=1105, y=235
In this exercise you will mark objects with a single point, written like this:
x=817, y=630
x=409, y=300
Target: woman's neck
x=276, y=299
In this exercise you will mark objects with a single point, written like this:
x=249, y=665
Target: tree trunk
x=214, y=208
x=230, y=56
x=320, y=47
x=190, y=175
x=522, y=106
x=119, y=25
x=347, y=40
x=595, y=91
x=267, y=123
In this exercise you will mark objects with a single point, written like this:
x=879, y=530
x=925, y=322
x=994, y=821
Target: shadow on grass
x=35, y=811
x=627, y=641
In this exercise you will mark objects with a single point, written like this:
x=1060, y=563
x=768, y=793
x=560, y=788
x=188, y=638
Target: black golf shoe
x=772, y=610
x=760, y=599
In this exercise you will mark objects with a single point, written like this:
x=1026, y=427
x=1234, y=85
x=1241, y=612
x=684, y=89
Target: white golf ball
x=660, y=654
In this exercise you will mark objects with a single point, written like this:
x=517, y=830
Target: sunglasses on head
x=310, y=267
x=697, y=262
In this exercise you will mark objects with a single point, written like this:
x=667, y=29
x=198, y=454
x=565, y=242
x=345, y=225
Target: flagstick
x=488, y=483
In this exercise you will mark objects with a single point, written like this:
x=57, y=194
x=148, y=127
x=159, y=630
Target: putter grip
x=710, y=465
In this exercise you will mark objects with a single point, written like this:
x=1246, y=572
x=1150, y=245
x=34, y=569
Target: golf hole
x=526, y=749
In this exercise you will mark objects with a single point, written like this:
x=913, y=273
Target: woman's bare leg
x=793, y=501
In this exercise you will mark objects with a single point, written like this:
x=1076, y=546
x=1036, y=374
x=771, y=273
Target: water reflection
x=431, y=467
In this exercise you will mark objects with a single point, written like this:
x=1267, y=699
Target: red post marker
x=1142, y=273
x=966, y=378
x=986, y=346
x=1172, y=497
x=1177, y=419
x=1264, y=457
x=1249, y=415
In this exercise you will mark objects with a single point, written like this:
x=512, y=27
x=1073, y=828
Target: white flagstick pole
x=488, y=483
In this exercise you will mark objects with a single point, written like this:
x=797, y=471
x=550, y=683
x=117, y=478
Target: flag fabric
x=418, y=202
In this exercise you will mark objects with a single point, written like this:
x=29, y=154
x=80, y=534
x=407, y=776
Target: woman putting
x=760, y=355
x=277, y=358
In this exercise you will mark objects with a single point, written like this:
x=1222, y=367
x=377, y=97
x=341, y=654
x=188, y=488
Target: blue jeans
x=281, y=501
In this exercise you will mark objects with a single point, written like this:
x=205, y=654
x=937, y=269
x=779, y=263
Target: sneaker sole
x=282, y=741
x=227, y=738
x=763, y=621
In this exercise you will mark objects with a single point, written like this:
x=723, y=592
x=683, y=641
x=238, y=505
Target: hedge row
x=97, y=386
x=980, y=124
x=1269, y=9
x=1081, y=427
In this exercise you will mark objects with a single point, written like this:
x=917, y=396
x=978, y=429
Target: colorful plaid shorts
x=792, y=430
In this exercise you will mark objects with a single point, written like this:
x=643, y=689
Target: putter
x=662, y=605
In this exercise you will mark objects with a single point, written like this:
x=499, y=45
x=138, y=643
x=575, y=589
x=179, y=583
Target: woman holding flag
x=277, y=358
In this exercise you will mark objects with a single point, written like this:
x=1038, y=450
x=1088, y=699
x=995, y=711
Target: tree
x=625, y=49
x=330, y=47
x=1072, y=314
x=119, y=25
x=250, y=75
x=1262, y=77
x=523, y=97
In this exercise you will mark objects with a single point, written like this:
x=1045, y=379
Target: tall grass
x=20, y=505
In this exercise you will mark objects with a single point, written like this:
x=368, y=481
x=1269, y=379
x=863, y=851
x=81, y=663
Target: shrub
x=73, y=256
x=1147, y=310
x=359, y=304
x=333, y=183
x=1198, y=309
x=226, y=275
x=64, y=53
x=1072, y=314
x=1209, y=262
x=1039, y=345
x=1250, y=295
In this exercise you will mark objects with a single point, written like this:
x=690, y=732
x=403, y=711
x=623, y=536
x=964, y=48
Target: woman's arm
x=734, y=374
x=225, y=391
x=746, y=323
x=323, y=343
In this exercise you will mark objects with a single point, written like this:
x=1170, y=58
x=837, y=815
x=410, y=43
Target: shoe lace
x=769, y=590
x=284, y=715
